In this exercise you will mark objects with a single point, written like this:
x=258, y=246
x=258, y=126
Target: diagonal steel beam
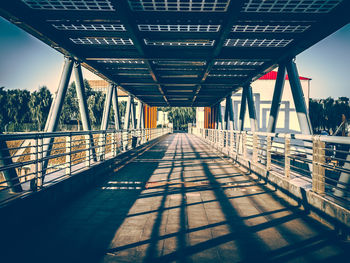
x=234, y=11
x=126, y=16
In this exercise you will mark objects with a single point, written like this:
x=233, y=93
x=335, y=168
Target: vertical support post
x=287, y=156
x=117, y=122
x=251, y=109
x=226, y=117
x=68, y=154
x=80, y=89
x=243, y=109
x=133, y=114
x=104, y=123
x=219, y=125
x=55, y=110
x=276, y=99
x=107, y=108
x=229, y=119
x=127, y=114
x=298, y=98
x=268, y=152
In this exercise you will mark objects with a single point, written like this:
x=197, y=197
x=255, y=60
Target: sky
x=28, y=63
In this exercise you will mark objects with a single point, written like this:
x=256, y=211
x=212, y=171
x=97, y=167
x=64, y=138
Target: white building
x=263, y=90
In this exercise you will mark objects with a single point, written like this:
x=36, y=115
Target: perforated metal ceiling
x=179, y=52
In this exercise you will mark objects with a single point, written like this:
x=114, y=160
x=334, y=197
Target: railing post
x=68, y=154
x=41, y=173
x=287, y=156
x=88, y=151
x=318, y=169
x=114, y=145
x=244, y=144
x=255, y=148
x=268, y=152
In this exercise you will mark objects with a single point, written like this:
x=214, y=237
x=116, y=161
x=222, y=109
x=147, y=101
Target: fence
x=26, y=165
x=321, y=162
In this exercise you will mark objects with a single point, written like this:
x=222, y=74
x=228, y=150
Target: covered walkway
x=178, y=201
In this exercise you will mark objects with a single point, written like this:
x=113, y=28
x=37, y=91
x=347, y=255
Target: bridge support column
x=55, y=110
x=298, y=97
x=133, y=114
x=229, y=113
x=117, y=122
x=10, y=174
x=276, y=99
x=219, y=125
x=80, y=89
x=251, y=109
x=243, y=109
x=127, y=113
x=105, y=120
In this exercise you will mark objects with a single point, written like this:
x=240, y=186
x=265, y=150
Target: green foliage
x=39, y=105
x=180, y=116
x=325, y=114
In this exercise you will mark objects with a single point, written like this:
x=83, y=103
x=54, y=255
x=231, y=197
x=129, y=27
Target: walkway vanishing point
x=178, y=201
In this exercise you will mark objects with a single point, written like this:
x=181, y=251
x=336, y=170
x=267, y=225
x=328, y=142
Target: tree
x=95, y=105
x=3, y=108
x=180, y=116
x=39, y=105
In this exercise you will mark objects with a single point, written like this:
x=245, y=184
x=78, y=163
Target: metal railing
x=25, y=167
x=321, y=162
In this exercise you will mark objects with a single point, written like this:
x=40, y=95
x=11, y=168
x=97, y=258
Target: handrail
x=71, y=152
x=321, y=161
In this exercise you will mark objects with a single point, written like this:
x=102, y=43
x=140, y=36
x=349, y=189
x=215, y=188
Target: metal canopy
x=179, y=52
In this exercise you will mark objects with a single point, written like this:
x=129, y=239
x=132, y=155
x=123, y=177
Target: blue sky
x=27, y=63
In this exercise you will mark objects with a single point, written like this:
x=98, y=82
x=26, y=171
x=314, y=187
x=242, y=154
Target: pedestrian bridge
x=187, y=197
x=141, y=193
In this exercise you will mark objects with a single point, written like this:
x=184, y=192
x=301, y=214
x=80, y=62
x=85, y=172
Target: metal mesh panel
x=91, y=5
x=180, y=5
x=102, y=41
x=270, y=28
x=257, y=42
x=179, y=63
x=120, y=61
x=179, y=28
x=228, y=75
x=194, y=43
x=290, y=6
x=238, y=62
x=90, y=27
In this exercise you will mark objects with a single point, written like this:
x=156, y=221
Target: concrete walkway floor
x=177, y=202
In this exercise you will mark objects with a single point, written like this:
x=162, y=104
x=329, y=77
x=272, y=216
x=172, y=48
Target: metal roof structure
x=179, y=52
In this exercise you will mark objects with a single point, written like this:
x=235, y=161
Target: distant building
x=102, y=85
x=263, y=91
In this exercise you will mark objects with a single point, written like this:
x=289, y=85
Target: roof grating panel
x=228, y=75
x=180, y=5
x=179, y=63
x=239, y=62
x=290, y=6
x=90, y=27
x=113, y=41
x=179, y=28
x=270, y=28
x=120, y=61
x=185, y=43
x=90, y=5
x=257, y=42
